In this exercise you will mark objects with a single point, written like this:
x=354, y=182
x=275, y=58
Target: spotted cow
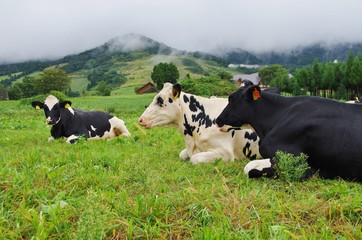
x=327, y=131
x=195, y=118
x=71, y=123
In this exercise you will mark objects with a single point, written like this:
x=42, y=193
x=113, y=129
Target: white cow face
x=164, y=108
x=51, y=108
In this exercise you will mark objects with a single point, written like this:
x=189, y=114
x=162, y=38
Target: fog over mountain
x=42, y=29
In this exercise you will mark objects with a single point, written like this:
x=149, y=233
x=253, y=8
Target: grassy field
x=137, y=188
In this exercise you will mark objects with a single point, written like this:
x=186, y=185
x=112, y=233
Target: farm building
x=254, y=78
x=147, y=88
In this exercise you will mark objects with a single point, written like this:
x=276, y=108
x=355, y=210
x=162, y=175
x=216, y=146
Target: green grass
x=3, y=77
x=137, y=188
x=79, y=81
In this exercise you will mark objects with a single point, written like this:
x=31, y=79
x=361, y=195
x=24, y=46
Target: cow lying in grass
x=71, y=123
x=195, y=118
x=327, y=131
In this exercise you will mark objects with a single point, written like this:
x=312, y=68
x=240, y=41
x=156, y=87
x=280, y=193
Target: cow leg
x=119, y=128
x=260, y=168
x=72, y=139
x=183, y=155
x=204, y=157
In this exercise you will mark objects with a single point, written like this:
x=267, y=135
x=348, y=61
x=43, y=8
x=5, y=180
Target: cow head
x=164, y=108
x=51, y=108
x=239, y=107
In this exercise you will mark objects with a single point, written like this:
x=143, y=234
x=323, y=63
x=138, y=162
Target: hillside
x=126, y=61
x=129, y=60
x=301, y=56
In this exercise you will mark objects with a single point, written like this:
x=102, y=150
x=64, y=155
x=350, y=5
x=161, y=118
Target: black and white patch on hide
x=198, y=115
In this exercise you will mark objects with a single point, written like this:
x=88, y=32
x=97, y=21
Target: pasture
x=138, y=188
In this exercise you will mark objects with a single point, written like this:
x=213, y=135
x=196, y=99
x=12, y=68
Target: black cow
x=72, y=123
x=329, y=132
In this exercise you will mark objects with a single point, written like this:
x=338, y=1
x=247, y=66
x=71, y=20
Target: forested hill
x=130, y=57
x=125, y=48
x=117, y=61
x=297, y=57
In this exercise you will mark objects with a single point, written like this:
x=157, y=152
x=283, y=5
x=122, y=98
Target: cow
x=195, y=118
x=327, y=131
x=71, y=123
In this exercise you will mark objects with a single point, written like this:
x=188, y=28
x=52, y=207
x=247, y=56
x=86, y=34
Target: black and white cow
x=329, y=132
x=71, y=123
x=195, y=118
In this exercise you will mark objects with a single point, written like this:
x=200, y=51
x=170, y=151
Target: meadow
x=138, y=188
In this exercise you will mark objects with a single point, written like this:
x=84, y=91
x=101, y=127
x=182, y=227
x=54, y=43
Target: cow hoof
x=183, y=155
x=194, y=161
x=259, y=168
x=126, y=134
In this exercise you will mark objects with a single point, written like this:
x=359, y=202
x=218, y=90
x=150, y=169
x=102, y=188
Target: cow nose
x=48, y=121
x=140, y=120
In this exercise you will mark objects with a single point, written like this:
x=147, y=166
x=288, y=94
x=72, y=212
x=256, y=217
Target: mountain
x=126, y=60
x=129, y=60
x=237, y=56
x=297, y=57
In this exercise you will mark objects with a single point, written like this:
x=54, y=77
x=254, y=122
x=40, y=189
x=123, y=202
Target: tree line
x=337, y=80
x=52, y=79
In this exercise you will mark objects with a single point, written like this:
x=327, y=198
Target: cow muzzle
x=145, y=123
x=49, y=121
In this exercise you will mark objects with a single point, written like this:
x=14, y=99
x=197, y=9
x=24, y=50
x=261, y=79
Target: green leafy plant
x=291, y=168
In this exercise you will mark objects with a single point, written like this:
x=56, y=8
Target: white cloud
x=49, y=28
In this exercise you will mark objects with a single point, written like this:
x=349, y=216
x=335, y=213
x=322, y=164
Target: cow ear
x=253, y=93
x=176, y=90
x=37, y=105
x=65, y=104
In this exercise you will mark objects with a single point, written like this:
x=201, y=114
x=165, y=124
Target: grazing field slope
x=138, y=188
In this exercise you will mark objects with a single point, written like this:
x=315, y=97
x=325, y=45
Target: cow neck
x=185, y=123
x=198, y=112
x=268, y=111
x=65, y=115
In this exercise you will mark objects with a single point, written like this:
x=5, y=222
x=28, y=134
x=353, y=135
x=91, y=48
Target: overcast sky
x=36, y=29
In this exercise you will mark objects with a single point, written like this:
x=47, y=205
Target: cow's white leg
x=204, y=157
x=259, y=168
x=183, y=155
x=72, y=139
x=122, y=127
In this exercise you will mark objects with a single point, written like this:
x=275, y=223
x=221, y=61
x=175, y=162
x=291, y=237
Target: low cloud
x=50, y=29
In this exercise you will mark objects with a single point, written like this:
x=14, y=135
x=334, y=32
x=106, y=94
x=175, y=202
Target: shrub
x=27, y=101
x=207, y=86
x=291, y=168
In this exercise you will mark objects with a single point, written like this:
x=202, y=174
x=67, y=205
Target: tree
x=316, y=77
x=349, y=69
x=207, y=86
x=224, y=75
x=27, y=86
x=328, y=79
x=267, y=74
x=15, y=93
x=52, y=79
x=302, y=75
x=104, y=89
x=356, y=74
x=164, y=72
